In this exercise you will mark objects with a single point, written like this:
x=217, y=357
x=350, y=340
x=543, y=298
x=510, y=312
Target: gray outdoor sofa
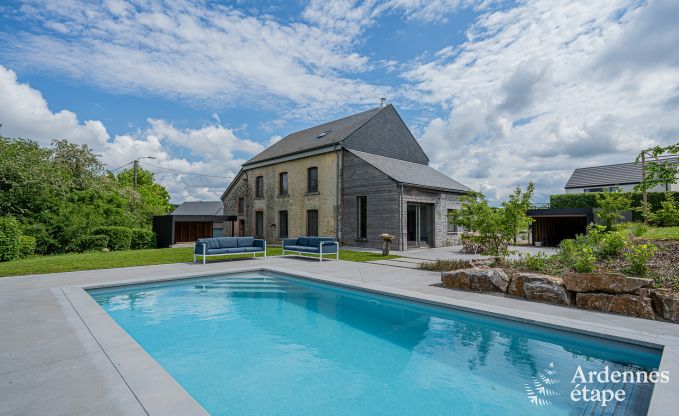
x=312, y=245
x=226, y=246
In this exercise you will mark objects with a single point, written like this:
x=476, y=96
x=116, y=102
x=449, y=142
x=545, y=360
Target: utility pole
x=643, y=185
x=136, y=173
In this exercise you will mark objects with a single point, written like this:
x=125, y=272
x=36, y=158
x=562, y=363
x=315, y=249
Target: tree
x=515, y=209
x=612, y=206
x=495, y=228
x=153, y=197
x=657, y=169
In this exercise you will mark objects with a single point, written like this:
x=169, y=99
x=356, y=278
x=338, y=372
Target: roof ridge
x=365, y=122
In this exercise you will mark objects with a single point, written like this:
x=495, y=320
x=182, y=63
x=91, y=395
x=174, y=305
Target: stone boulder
x=476, y=280
x=625, y=304
x=539, y=288
x=604, y=282
x=666, y=305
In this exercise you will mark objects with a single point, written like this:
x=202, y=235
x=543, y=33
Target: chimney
x=383, y=102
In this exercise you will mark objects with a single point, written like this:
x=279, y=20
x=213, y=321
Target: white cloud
x=216, y=150
x=547, y=86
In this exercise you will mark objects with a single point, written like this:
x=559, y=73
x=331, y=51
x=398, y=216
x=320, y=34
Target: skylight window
x=323, y=134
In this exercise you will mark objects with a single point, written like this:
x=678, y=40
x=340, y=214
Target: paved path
x=455, y=252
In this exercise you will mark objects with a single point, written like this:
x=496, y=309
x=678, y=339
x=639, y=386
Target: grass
x=652, y=233
x=96, y=260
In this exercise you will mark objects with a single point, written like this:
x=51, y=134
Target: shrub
x=638, y=255
x=612, y=206
x=26, y=246
x=638, y=229
x=143, y=238
x=588, y=200
x=119, y=238
x=611, y=244
x=10, y=239
x=535, y=263
x=96, y=242
x=666, y=216
x=577, y=255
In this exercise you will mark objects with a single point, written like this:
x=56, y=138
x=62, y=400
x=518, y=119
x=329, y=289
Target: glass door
x=419, y=224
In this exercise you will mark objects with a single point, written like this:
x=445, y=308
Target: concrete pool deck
x=63, y=355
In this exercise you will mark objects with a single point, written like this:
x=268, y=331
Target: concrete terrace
x=62, y=355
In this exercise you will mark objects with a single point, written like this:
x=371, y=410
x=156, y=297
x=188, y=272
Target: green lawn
x=657, y=233
x=96, y=260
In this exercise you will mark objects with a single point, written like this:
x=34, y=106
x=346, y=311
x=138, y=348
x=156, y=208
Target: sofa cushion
x=227, y=242
x=245, y=241
x=220, y=251
x=305, y=249
x=253, y=249
x=314, y=242
x=302, y=241
x=209, y=242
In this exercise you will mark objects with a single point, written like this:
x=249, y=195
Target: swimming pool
x=264, y=343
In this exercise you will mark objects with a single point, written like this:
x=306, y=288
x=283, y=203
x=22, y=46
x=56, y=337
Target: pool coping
x=159, y=393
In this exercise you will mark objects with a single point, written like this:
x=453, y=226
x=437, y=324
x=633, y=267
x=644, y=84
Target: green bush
x=26, y=246
x=119, y=238
x=577, y=255
x=638, y=229
x=666, y=216
x=637, y=256
x=95, y=242
x=535, y=263
x=589, y=200
x=10, y=239
x=611, y=244
x=143, y=238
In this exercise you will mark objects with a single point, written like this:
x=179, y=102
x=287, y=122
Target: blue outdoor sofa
x=312, y=245
x=225, y=246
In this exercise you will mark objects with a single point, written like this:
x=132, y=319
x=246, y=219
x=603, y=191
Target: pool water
x=260, y=343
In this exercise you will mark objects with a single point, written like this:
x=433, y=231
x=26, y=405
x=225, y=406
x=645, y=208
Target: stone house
x=353, y=178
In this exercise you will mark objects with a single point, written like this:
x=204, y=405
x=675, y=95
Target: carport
x=553, y=225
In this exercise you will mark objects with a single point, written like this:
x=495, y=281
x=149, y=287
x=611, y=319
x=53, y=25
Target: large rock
x=625, y=304
x=476, y=280
x=540, y=288
x=666, y=305
x=604, y=282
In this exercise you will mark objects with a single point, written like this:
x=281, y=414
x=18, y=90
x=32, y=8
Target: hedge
x=95, y=242
x=143, y=238
x=119, y=238
x=10, y=239
x=588, y=200
x=26, y=246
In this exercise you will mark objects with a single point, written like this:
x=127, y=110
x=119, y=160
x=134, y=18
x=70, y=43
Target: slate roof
x=308, y=139
x=411, y=173
x=609, y=175
x=200, y=208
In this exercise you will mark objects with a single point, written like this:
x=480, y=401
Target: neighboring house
x=353, y=178
x=191, y=221
x=609, y=178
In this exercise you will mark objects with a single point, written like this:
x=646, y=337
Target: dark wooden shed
x=191, y=221
x=553, y=225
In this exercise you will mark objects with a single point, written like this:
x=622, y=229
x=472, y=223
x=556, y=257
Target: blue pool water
x=265, y=344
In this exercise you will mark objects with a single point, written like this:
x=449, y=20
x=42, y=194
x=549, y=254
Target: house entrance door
x=419, y=225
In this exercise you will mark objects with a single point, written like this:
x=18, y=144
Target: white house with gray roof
x=608, y=178
x=353, y=178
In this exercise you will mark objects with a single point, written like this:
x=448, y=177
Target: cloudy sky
x=497, y=92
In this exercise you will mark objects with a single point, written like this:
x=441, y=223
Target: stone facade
x=441, y=202
x=296, y=203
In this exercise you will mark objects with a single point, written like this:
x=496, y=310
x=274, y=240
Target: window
x=259, y=187
x=312, y=180
x=312, y=223
x=594, y=190
x=241, y=205
x=283, y=184
x=323, y=134
x=614, y=189
x=259, y=224
x=361, y=217
x=283, y=224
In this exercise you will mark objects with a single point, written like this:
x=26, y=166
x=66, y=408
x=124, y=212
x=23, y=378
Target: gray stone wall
x=382, y=197
x=441, y=201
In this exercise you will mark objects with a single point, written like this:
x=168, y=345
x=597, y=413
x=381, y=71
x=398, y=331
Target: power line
x=126, y=164
x=184, y=172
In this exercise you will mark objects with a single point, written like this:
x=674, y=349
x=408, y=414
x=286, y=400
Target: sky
x=499, y=93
